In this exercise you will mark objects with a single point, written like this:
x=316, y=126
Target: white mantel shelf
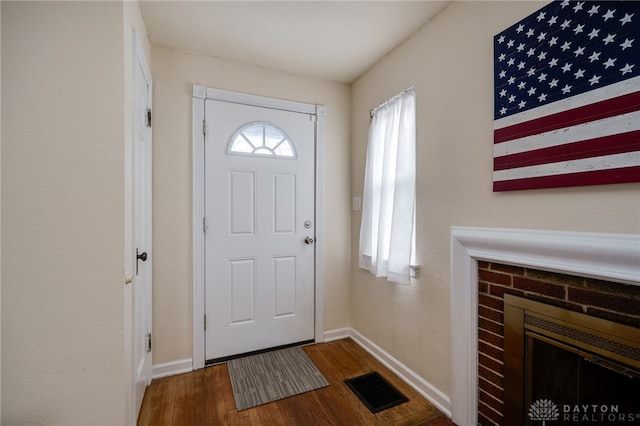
x=611, y=257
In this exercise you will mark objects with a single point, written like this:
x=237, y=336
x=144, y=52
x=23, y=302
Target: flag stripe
x=627, y=159
x=596, y=177
x=596, y=129
x=614, y=144
x=596, y=111
x=611, y=91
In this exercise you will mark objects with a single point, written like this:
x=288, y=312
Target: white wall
x=66, y=144
x=450, y=61
x=175, y=73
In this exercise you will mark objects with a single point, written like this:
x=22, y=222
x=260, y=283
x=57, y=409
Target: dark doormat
x=375, y=392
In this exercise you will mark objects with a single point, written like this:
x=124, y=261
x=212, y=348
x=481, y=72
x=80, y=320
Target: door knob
x=140, y=256
x=308, y=240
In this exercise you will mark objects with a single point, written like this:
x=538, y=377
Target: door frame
x=200, y=95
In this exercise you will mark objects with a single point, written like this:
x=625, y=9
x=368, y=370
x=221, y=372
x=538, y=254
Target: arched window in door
x=261, y=139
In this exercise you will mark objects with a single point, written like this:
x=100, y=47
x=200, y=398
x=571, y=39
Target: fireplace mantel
x=612, y=257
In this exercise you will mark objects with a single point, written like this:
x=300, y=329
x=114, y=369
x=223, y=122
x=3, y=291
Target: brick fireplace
x=602, y=299
x=592, y=273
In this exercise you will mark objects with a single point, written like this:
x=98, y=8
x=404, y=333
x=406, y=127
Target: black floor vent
x=375, y=392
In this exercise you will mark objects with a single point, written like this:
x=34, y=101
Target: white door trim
x=200, y=94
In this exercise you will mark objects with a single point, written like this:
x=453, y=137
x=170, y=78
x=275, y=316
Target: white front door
x=260, y=228
x=142, y=232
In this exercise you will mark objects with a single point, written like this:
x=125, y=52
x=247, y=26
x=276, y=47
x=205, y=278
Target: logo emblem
x=544, y=410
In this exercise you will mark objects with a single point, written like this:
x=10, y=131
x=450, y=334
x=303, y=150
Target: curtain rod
x=391, y=99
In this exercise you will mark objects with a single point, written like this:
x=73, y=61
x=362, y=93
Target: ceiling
x=334, y=40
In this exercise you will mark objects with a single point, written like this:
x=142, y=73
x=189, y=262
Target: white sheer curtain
x=387, y=231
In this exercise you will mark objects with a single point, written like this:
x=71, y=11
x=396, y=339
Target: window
x=387, y=231
x=261, y=139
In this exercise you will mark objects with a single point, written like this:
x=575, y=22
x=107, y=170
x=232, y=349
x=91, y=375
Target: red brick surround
x=603, y=299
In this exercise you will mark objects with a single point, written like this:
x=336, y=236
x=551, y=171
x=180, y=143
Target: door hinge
x=204, y=127
x=313, y=117
x=204, y=225
x=149, y=117
x=148, y=342
x=205, y=322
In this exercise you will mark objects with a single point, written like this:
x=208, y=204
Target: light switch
x=356, y=204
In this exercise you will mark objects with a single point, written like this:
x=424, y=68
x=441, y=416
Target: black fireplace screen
x=585, y=389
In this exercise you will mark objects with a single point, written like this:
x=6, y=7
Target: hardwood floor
x=204, y=397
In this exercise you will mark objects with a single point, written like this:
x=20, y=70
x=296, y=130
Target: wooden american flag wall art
x=567, y=97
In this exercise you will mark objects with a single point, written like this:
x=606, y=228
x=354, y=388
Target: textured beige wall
x=175, y=73
x=450, y=62
x=62, y=213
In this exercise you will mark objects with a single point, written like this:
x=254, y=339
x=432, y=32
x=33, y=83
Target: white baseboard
x=440, y=400
x=172, y=368
x=336, y=334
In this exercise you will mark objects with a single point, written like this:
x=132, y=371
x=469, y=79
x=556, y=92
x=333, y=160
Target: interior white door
x=142, y=234
x=259, y=241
